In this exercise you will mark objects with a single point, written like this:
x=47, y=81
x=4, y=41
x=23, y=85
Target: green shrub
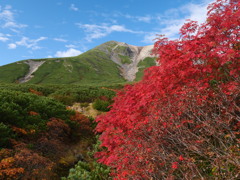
x=125, y=59
x=5, y=134
x=83, y=171
x=16, y=108
x=89, y=170
x=69, y=95
x=101, y=105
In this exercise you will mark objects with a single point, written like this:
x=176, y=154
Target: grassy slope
x=91, y=67
x=11, y=72
x=147, y=62
x=125, y=59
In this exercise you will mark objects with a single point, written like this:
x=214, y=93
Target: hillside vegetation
x=109, y=63
x=12, y=72
x=41, y=136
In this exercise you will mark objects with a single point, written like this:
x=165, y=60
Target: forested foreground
x=41, y=136
x=182, y=120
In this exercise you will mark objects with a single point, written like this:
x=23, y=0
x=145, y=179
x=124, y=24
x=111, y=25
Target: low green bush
x=5, y=134
x=29, y=110
x=89, y=170
x=101, y=105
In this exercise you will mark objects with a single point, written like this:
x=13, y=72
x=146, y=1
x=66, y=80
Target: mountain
x=111, y=62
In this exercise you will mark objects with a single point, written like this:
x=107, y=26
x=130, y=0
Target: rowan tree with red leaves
x=182, y=120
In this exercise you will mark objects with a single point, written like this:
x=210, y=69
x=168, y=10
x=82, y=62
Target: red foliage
x=186, y=107
x=53, y=141
x=32, y=113
x=104, y=98
x=7, y=168
x=19, y=131
x=35, y=92
x=23, y=163
x=83, y=124
x=33, y=164
x=58, y=129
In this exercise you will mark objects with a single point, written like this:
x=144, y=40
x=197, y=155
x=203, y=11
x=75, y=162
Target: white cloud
x=146, y=19
x=70, y=46
x=68, y=53
x=13, y=25
x=173, y=19
x=4, y=37
x=149, y=37
x=94, y=31
x=28, y=43
x=60, y=39
x=7, y=19
x=73, y=7
x=12, y=46
x=6, y=14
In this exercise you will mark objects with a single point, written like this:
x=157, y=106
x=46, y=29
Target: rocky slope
x=119, y=51
x=33, y=66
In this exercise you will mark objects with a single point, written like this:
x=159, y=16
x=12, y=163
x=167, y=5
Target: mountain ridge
x=112, y=61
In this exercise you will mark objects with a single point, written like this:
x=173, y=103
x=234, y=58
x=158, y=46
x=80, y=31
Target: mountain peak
x=126, y=56
x=111, y=61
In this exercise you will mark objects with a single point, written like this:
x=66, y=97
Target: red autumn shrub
x=7, y=168
x=34, y=165
x=58, y=129
x=182, y=120
x=53, y=141
x=23, y=163
x=83, y=124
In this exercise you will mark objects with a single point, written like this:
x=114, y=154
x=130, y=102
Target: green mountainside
x=109, y=63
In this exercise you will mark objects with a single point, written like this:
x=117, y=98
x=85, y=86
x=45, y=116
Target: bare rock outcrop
x=33, y=66
x=135, y=54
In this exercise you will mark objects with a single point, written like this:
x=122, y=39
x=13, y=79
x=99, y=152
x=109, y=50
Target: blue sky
x=31, y=29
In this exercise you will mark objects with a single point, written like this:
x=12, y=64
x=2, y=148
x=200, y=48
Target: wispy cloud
x=135, y=18
x=146, y=19
x=171, y=21
x=12, y=46
x=150, y=37
x=4, y=37
x=28, y=43
x=68, y=53
x=94, y=31
x=70, y=46
x=60, y=40
x=73, y=7
x=7, y=19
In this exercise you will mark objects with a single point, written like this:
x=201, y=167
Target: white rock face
x=33, y=66
x=136, y=54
